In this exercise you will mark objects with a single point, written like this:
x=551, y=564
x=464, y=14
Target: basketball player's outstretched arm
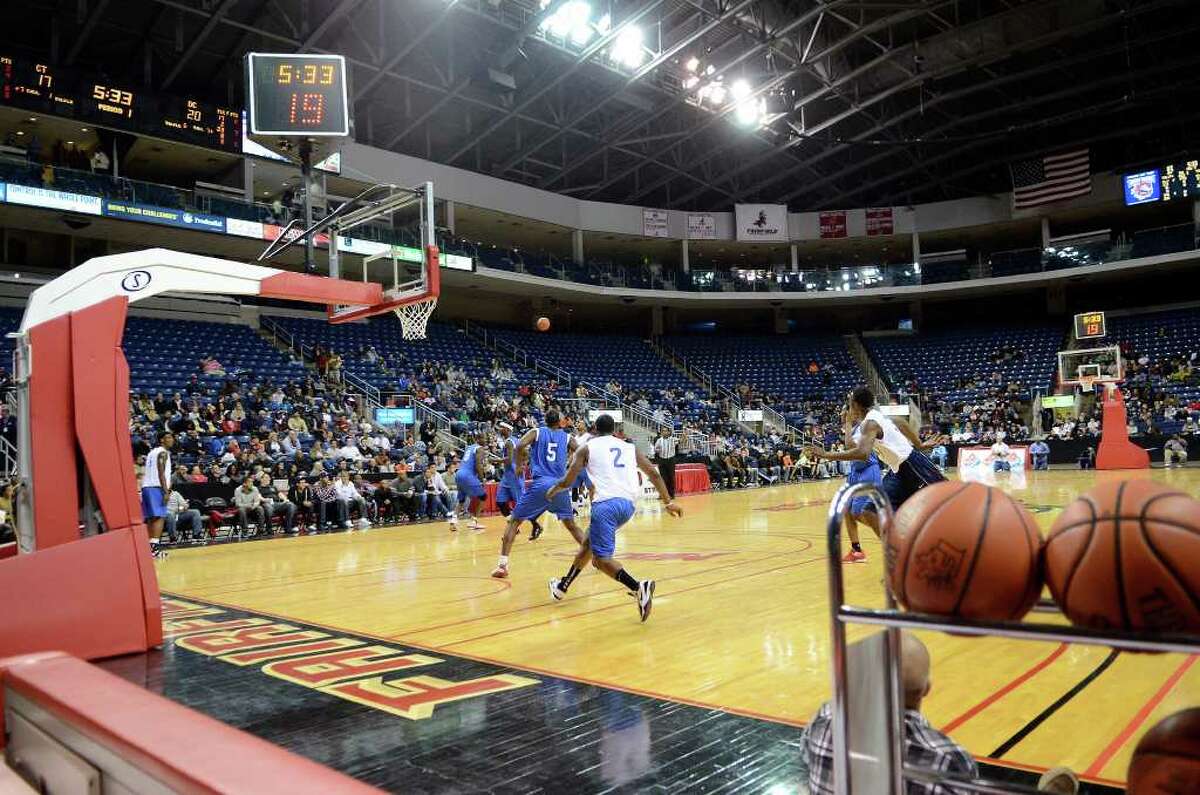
x=912, y=437
x=649, y=470
x=578, y=462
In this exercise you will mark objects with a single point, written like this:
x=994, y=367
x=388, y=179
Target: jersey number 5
x=551, y=451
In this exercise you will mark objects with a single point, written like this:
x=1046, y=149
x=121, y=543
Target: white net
x=414, y=317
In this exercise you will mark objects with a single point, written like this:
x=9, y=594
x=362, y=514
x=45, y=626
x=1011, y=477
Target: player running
x=582, y=485
x=512, y=482
x=548, y=448
x=469, y=479
x=898, y=446
x=612, y=464
x=861, y=508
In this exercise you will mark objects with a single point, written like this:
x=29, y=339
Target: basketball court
x=737, y=652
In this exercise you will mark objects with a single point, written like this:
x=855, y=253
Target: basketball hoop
x=414, y=317
x=1086, y=383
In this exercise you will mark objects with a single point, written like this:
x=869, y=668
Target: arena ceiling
x=859, y=102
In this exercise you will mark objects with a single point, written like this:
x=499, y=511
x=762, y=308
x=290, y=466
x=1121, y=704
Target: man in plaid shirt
x=924, y=746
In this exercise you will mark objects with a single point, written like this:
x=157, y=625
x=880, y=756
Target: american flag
x=1043, y=180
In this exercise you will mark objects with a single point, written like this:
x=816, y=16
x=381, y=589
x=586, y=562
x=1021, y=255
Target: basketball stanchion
x=893, y=620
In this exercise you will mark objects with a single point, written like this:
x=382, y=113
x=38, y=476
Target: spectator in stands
x=924, y=746
x=1039, y=453
x=181, y=518
x=938, y=455
x=210, y=366
x=1175, y=451
x=249, y=503
x=388, y=504
x=353, y=500
x=276, y=502
x=7, y=515
x=437, y=494
x=197, y=475
x=297, y=424
x=1087, y=459
x=330, y=508
x=349, y=450
x=305, y=501
x=180, y=476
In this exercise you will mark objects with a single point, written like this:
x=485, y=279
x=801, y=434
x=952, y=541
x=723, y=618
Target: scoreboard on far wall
x=58, y=91
x=1089, y=325
x=1170, y=182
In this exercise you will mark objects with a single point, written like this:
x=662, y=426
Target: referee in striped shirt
x=664, y=454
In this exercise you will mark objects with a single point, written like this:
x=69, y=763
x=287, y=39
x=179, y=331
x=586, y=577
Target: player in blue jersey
x=861, y=508
x=469, y=480
x=548, y=450
x=512, y=481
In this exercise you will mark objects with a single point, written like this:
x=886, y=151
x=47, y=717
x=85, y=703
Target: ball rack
x=893, y=620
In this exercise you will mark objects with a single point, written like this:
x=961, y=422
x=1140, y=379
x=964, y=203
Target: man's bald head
x=914, y=670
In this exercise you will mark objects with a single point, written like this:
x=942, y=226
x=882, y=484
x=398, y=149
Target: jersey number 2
x=616, y=451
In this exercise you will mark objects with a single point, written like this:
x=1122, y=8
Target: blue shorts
x=869, y=474
x=153, y=504
x=533, y=502
x=469, y=487
x=510, y=490
x=607, y=518
x=582, y=481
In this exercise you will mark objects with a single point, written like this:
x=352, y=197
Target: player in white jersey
x=897, y=446
x=156, y=487
x=612, y=464
x=1000, y=452
x=582, y=484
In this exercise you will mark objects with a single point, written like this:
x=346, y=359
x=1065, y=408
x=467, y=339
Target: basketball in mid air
x=543, y=324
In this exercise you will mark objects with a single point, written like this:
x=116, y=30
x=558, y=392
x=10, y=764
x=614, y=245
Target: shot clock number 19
x=297, y=94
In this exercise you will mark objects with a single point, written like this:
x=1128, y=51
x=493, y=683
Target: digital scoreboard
x=1181, y=181
x=1089, y=325
x=301, y=95
x=58, y=91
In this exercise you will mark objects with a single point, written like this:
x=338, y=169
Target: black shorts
x=915, y=473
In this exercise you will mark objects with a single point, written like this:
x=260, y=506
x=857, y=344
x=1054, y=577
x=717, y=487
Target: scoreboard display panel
x=303, y=95
x=1089, y=325
x=58, y=91
x=1181, y=181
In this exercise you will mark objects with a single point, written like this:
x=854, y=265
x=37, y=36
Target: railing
x=8, y=455
x=284, y=338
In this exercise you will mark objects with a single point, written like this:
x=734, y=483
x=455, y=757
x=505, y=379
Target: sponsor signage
x=702, y=227
x=53, y=199
x=165, y=216
x=761, y=221
x=241, y=228
x=750, y=415
x=894, y=410
x=654, y=223
x=1058, y=401
x=833, y=223
x=880, y=221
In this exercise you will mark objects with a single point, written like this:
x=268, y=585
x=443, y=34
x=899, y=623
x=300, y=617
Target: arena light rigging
x=628, y=49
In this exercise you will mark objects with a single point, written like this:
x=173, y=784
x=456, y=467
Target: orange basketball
x=543, y=324
x=966, y=550
x=1127, y=555
x=1167, y=759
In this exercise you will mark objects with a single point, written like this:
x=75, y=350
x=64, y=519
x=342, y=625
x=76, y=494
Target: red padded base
x=1116, y=451
x=96, y=597
x=186, y=751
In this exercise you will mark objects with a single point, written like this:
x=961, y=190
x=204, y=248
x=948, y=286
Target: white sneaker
x=347, y=526
x=556, y=593
x=645, y=598
x=500, y=572
x=364, y=523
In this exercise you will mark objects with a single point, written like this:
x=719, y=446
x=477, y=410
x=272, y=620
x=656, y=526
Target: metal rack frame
x=893, y=620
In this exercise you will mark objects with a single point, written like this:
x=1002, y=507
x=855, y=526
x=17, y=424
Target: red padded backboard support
x=1116, y=451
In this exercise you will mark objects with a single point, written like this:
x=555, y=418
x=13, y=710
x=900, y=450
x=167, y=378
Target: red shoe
x=854, y=556
x=500, y=572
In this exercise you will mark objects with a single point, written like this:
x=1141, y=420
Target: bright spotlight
x=750, y=112
x=710, y=69
x=572, y=20
x=605, y=24
x=628, y=48
x=691, y=82
x=716, y=92
x=692, y=64
x=740, y=89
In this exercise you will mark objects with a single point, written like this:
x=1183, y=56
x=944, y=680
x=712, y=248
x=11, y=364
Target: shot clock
x=301, y=95
x=1089, y=325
